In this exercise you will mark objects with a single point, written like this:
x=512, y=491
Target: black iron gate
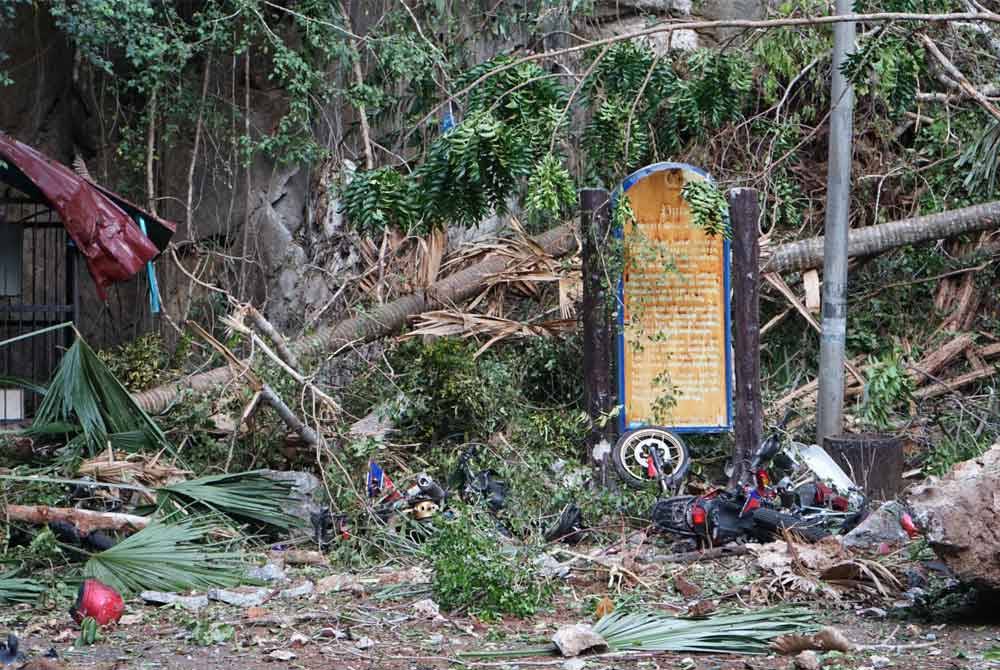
x=38, y=288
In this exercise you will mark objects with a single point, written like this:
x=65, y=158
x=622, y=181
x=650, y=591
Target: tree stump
x=873, y=461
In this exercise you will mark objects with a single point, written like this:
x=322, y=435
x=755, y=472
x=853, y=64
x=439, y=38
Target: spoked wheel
x=632, y=456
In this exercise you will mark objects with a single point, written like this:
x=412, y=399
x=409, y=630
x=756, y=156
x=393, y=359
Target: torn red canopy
x=101, y=223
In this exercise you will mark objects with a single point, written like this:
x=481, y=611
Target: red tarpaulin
x=102, y=224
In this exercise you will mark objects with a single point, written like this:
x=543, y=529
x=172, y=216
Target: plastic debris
x=97, y=600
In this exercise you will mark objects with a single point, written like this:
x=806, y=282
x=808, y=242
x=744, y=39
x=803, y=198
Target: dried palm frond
x=167, y=557
x=119, y=467
x=449, y=322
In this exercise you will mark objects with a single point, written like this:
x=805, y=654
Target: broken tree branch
x=86, y=521
x=957, y=75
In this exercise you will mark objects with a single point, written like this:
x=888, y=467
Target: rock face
x=961, y=515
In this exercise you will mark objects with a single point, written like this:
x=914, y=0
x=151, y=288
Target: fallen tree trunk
x=86, y=521
x=385, y=320
x=389, y=318
x=807, y=254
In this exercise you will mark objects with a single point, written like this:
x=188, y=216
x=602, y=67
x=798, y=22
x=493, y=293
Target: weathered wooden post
x=599, y=389
x=744, y=210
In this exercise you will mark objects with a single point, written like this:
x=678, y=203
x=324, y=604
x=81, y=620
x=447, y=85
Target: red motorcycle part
x=97, y=600
x=698, y=515
x=906, y=521
x=650, y=468
x=840, y=503
x=763, y=480
x=823, y=493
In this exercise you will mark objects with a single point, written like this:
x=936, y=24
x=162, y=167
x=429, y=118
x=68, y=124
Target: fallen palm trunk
x=383, y=321
x=557, y=242
x=807, y=254
x=86, y=521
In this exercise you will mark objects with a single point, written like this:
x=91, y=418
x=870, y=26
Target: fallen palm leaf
x=18, y=590
x=730, y=633
x=445, y=322
x=167, y=557
x=85, y=399
x=247, y=496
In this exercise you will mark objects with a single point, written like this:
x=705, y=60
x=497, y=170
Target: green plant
x=441, y=390
x=19, y=590
x=138, y=364
x=725, y=633
x=90, y=632
x=709, y=209
x=476, y=570
x=886, y=387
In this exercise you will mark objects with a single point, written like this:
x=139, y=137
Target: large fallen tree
x=464, y=284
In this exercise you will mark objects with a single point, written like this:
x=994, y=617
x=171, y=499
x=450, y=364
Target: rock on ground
x=961, y=515
x=576, y=639
x=882, y=525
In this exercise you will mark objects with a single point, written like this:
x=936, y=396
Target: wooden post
x=598, y=330
x=744, y=210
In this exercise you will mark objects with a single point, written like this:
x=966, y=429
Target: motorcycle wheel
x=633, y=448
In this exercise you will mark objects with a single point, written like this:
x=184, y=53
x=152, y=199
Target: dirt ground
x=364, y=630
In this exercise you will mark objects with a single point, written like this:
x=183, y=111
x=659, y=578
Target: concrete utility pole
x=830, y=404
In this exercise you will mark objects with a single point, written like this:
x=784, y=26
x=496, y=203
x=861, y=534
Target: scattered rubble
x=190, y=603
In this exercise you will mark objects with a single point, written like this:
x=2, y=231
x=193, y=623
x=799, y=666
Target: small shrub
x=137, y=364
x=442, y=391
x=475, y=570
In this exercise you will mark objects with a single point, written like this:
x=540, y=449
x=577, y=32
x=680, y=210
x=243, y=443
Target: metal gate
x=44, y=282
x=38, y=288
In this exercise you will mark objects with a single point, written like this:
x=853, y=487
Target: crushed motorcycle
x=795, y=488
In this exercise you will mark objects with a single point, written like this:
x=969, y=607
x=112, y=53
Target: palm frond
x=25, y=384
x=84, y=394
x=731, y=633
x=246, y=496
x=727, y=633
x=982, y=159
x=167, y=557
x=18, y=590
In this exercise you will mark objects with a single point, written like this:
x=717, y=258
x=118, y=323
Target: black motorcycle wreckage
x=796, y=488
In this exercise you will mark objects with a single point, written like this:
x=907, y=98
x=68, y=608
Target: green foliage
x=246, y=496
x=472, y=170
x=629, y=120
x=476, y=570
x=550, y=188
x=378, y=200
x=444, y=391
x=887, y=386
x=551, y=370
x=784, y=53
x=709, y=209
x=893, y=68
x=981, y=160
x=139, y=363
x=15, y=590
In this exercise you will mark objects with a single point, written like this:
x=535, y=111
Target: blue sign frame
x=623, y=423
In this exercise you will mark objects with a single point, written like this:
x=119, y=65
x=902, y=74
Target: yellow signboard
x=675, y=368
